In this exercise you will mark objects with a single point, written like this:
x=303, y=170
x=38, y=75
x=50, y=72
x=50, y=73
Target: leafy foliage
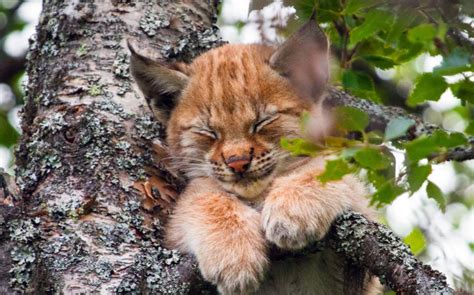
x=428, y=87
x=351, y=119
x=436, y=194
x=416, y=240
x=397, y=128
x=373, y=34
x=10, y=72
x=375, y=156
x=385, y=34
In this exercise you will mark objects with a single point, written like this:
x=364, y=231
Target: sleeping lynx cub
x=226, y=113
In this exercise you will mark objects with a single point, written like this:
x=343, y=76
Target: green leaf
x=375, y=137
x=371, y=158
x=381, y=62
x=298, y=146
x=423, y=33
x=386, y=194
x=425, y=146
x=407, y=50
x=417, y=176
x=359, y=84
x=335, y=170
x=349, y=153
x=354, y=6
x=375, y=21
x=470, y=128
x=376, y=178
x=448, y=140
x=457, y=61
x=420, y=148
x=464, y=90
x=337, y=141
x=328, y=10
x=404, y=18
x=357, y=80
x=8, y=134
x=435, y=193
x=428, y=87
x=416, y=240
x=351, y=119
x=398, y=127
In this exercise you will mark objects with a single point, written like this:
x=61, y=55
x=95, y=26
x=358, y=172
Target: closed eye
x=205, y=132
x=258, y=125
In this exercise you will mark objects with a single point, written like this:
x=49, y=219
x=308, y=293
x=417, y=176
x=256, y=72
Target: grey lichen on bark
x=90, y=147
x=374, y=247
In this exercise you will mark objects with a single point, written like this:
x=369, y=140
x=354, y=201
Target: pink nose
x=238, y=164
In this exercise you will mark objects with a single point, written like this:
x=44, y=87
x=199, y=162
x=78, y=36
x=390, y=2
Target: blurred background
x=444, y=240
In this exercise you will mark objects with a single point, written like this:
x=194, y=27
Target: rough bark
x=365, y=244
x=93, y=193
x=372, y=246
x=90, y=151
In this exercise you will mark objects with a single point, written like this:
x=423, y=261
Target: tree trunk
x=90, y=150
x=93, y=192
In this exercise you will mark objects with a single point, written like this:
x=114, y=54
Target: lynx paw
x=234, y=275
x=294, y=225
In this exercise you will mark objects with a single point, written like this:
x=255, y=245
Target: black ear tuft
x=160, y=83
x=304, y=59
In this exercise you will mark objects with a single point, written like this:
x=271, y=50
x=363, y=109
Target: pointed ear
x=160, y=83
x=304, y=60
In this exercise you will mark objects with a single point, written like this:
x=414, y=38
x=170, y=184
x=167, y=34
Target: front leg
x=224, y=234
x=299, y=209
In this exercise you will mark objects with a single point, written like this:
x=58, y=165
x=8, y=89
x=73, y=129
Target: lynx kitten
x=226, y=112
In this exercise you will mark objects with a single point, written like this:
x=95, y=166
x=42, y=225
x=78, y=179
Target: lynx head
x=228, y=109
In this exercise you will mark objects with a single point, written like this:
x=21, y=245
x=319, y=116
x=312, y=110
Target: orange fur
x=239, y=100
x=223, y=233
x=296, y=208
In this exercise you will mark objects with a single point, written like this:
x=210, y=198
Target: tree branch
x=366, y=244
x=380, y=115
x=371, y=246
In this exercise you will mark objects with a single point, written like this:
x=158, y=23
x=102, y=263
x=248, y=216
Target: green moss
x=95, y=90
x=82, y=50
x=63, y=209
